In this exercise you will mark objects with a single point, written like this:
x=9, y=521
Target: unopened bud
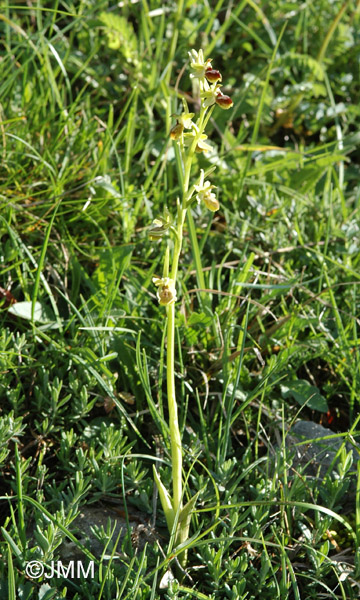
x=213, y=75
x=224, y=101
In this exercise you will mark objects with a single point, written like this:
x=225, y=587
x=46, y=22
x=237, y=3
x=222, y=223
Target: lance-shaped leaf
x=184, y=526
x=165, y=500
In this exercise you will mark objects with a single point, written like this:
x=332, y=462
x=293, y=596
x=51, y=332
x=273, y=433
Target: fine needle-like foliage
x=191, y=138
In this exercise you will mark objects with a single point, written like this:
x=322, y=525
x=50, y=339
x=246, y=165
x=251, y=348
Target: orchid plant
x=190, y=137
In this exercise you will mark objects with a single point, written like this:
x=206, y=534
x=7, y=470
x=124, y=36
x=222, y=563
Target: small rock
x=92, y=516
x=317, y=456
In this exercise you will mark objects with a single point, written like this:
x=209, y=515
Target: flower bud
x=198, y=64
x=224, y=101
x=176, y=131
x=213, y=75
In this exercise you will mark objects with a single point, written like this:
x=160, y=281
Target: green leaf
x=199, y=319
x=23, y=310
x=46, y=592
x=11, y=576
x=185, y=514
x=112, y=264
x=120, y=35
x=165, y=500
x=304, y=393
x=104, y=183
x=304, y=62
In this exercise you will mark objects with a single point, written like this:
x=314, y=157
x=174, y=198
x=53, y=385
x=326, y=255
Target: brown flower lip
x=176, y=131
x=224, y=101
x=166, y=295
x=213, y=75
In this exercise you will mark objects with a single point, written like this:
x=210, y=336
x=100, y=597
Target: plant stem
x=175, y=437
x=173, y=507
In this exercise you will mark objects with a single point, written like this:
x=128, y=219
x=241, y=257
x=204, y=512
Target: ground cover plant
x=266, y=320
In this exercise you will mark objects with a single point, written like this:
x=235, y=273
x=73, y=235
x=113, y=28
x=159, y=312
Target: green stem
x=175, y=436
x=173, y=507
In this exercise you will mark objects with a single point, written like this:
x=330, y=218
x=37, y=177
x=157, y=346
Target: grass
x=86, y=98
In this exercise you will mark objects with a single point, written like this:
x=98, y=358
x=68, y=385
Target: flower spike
x=191, y=139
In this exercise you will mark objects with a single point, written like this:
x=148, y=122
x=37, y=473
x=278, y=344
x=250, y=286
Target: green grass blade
x=11, y=576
